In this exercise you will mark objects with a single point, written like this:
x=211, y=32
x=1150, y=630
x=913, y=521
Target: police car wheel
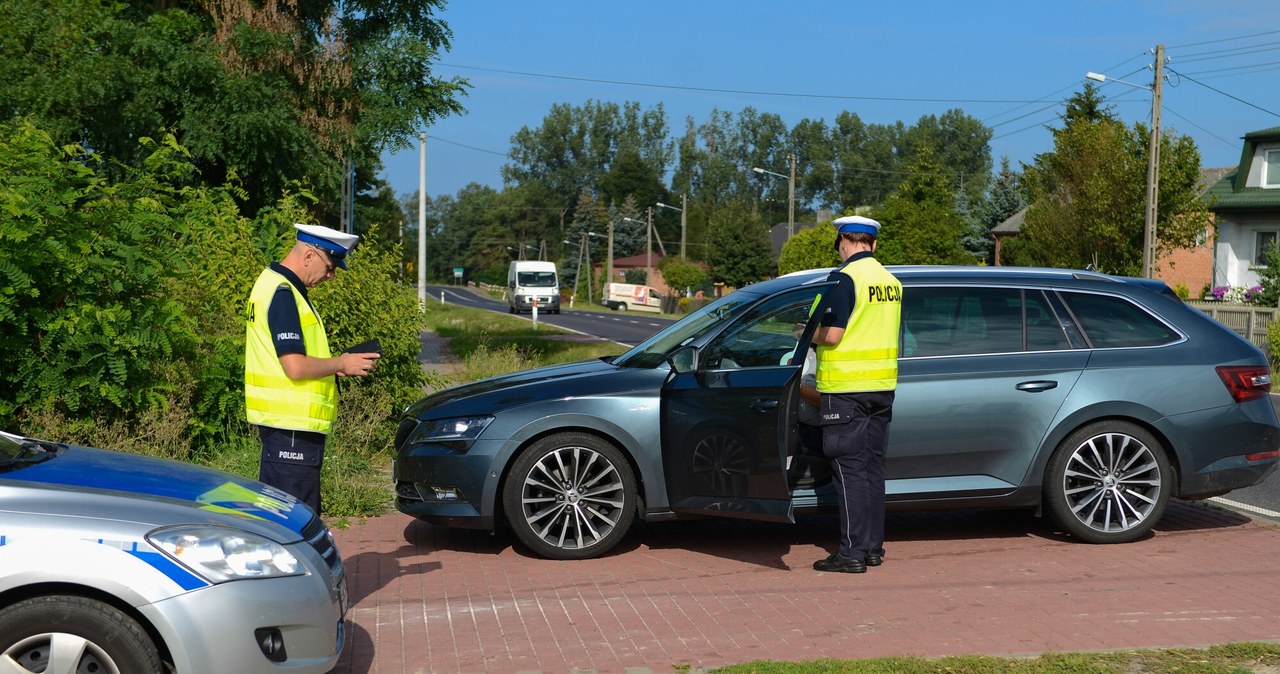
x=73, y=634
x=1108, y=482
x=570, y=496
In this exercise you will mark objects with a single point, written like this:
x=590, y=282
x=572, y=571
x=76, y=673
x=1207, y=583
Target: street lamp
x=791, y=191
x=683, y=205
x=1153, y=160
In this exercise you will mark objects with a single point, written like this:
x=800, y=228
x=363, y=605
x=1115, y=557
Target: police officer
x=857, y=375
x=290, y=389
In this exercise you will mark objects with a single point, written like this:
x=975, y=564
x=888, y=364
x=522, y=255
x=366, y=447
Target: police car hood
x=217, y=494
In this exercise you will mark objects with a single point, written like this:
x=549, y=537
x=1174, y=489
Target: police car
x=114, y=562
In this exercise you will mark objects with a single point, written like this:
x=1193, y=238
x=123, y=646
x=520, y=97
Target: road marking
x=1245, y=506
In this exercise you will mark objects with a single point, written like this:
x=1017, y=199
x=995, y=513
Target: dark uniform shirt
x=282, y=315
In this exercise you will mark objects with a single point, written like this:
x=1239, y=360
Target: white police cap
x=856, y=224
x=336, y=244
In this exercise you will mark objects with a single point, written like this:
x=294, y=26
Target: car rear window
x=1111, y=322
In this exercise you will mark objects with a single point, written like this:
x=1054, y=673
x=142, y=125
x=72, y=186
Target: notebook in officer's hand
x=371, y=346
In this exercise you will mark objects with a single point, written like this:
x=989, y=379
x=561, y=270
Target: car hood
x=184, y=484
x=590, y=377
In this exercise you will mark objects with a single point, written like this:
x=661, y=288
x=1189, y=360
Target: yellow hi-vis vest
x=866, y=359
x=271, y=397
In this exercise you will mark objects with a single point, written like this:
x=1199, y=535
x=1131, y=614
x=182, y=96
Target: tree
x=1087, y=196
x=740, y=254
x=266, y=95
x=1005, y=198
x=680, y=275
x=809, y=248
x=918, y=222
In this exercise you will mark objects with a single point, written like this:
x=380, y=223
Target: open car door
x=729, y=411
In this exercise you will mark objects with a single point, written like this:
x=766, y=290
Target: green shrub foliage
x=122, y=297
x=86, y=322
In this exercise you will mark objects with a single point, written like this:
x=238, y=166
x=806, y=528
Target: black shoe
x=840, y=564
x=873, y=560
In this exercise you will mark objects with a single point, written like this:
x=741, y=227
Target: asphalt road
x=631, y=328
x=627, y=328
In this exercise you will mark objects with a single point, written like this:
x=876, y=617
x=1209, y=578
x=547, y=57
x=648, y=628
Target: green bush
x=122, y=296
x=1273, y=345
x=87, y=324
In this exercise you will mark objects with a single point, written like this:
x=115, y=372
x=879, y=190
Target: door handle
x=1036, y=386
x=762, y=405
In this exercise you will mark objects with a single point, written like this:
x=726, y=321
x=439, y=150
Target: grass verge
x=1250, y=657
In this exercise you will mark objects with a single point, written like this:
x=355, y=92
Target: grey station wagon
x=1090, y=397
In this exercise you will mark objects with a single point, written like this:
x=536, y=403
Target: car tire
x=1108, y=482
x=623, y=306
x=37, y=634
x=570, y=496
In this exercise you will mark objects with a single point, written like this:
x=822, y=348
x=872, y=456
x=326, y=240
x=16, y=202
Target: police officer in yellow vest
x=857, y=375
x=290, y=389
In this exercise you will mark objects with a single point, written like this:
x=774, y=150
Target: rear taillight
x=1246, y=382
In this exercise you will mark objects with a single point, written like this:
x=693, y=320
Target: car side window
x=1109, y=321
x=947, y=321
x=762, y=337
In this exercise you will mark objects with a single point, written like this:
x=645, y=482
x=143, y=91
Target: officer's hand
x=357, y=364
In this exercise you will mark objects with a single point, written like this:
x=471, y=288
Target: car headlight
x=220, y=554
x=445, y=430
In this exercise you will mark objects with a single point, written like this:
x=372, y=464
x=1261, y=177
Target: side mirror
x=684, y=359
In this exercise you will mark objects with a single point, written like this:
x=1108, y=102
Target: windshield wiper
x=29, y=452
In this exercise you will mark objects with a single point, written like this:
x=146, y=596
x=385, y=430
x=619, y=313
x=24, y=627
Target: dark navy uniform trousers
x=291, y=463
x=855, y=430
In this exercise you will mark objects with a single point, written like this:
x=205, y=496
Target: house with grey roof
x=1246, y=202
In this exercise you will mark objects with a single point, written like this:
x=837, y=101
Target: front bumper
x=549, y=302
x=441, y=485
x=212, y=630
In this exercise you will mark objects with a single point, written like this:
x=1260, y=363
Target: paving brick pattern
x=710, y=593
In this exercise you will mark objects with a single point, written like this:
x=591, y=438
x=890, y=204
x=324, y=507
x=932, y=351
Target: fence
x=1248, y=321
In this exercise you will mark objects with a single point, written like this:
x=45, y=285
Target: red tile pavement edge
x=709, y=593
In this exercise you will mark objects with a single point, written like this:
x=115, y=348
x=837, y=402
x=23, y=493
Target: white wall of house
x=1242, y=237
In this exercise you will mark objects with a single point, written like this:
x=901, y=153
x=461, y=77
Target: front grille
x=317, y=536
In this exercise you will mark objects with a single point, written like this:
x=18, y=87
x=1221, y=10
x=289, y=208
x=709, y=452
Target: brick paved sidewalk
x=715, y=592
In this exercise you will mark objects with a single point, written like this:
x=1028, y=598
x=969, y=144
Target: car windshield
x=653, y=351
x=18, y=451
x=536, y=279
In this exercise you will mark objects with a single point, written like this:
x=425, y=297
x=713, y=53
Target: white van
x=530, y=280
x=630, y=297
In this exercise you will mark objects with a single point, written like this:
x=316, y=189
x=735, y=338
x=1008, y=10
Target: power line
x=469, y=147
x=1235, y=98
x=1224, y=141
x=734, y=91
x=1224, y=53
x=1255, y=65
x=1225, y=39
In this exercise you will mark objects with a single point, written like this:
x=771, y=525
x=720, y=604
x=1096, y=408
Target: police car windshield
x=18, y=451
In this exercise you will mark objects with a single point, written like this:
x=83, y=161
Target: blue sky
x=1006, y=63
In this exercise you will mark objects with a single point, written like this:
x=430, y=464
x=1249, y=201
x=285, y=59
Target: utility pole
x=608, y=264
x=791, y=198
x=1153, y=170
x=422, y=222
x=684, y=210
x=648, y=249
